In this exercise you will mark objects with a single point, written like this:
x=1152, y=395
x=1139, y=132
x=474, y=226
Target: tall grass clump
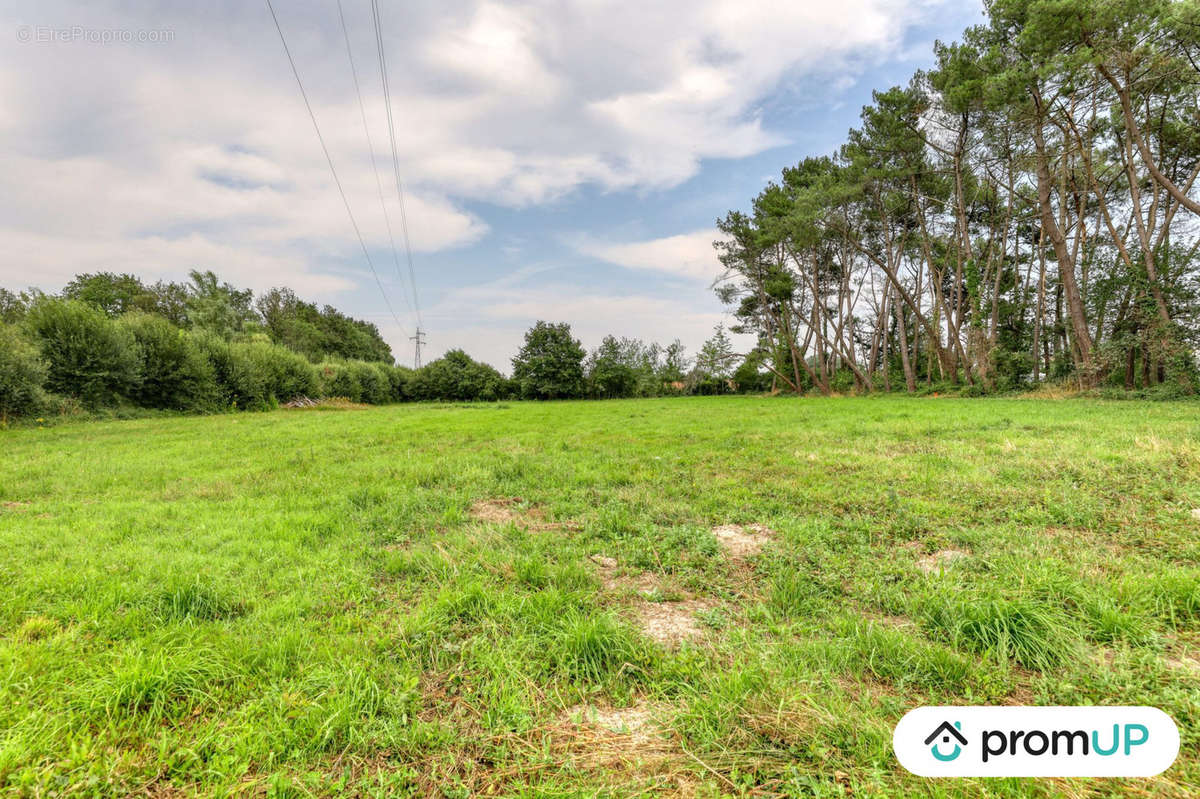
x=194, y=601
x=1035, y=635
x=154, y=685
x=1173, y=596
x=588, y=648
x=344, y=706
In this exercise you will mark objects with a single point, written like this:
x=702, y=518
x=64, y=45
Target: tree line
x=1024, y=211
x=111, y=341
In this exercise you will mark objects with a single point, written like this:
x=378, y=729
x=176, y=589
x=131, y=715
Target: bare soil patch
x=604, y=561
x=672, y=623
x=742, y=541
x=508, y=510
x=637, y=722
x=669, y=622
x=14, y=506
x=1186, y=663
x=940, y=560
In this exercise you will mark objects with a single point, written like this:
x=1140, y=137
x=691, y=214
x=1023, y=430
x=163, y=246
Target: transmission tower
x=418, y=340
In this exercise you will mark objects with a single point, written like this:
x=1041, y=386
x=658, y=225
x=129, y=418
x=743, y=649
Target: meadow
x=694, y=596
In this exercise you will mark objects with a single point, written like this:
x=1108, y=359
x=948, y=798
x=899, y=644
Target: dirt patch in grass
x=510, y=510
x=742, y=541
x=604, y=562
x=941, y=560
x=887, y=619
x=1189, y=664
x=1196, y=514
x=668, y=622
x=585, y=744
x=13, y=505
x=612, y=579
x=672, y=623
x=636, y=722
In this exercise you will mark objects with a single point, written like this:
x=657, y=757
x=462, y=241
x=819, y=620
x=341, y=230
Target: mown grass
x=305, y=604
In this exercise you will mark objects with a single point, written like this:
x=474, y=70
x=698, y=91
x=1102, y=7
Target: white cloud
x=689, y=255
x=198, y=152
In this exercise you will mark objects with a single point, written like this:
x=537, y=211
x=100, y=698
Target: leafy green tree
x=320, y=334
x=115, y=294
x=550, y=364
x=610, y=372
x=89, y=356
x=716, y=359
x=169, y=300
x=675, y=364
x=456, y=376
x=749, y=376
x=13, y=306
x=218, y=307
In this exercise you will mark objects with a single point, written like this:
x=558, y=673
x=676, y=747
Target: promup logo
x=946, y=731
x=1036, y=741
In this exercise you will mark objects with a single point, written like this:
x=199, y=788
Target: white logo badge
x=1036, y=741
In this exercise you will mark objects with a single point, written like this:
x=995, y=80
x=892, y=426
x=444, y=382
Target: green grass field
x=554, y=599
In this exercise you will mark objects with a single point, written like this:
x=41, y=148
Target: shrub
x=291, y=374
x=268, y=373
x=372, y=381
x=256, y=374
x=88, y=355
x=399, y=379
x=22, y=373
x=456, y=376
x=237, y=384
x=175, y=372
x=335, y=380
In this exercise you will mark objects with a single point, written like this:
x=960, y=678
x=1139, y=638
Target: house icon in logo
x=946, y=731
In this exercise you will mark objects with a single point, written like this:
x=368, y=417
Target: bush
x=373, y=382
x=399, y=379
x=175, y=372
x=335, y=380
x=22, y=373
x=88, y=355
x=290, y=374
x=455, y=376
x=257, y=374
x=273, y=373
x=237, y=385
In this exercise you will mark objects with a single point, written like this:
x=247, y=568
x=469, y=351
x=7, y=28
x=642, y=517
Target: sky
x=562, y=160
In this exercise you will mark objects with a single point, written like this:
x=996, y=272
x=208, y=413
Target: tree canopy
x=1025, y=209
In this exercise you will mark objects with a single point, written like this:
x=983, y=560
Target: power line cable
x=329, y=160
x=387, y=97
x=371, y=149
